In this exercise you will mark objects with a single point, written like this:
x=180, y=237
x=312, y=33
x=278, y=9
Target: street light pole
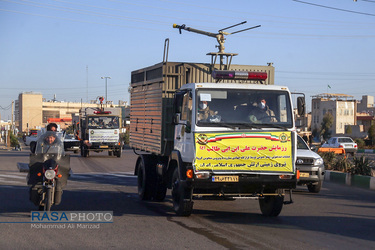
x=106, y=77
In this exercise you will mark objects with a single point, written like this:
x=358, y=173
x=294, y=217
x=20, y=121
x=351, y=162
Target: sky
x=64, y=48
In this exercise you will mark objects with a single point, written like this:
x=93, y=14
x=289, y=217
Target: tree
x=69, y=130
x=13, y=139
x=326, y=125
x=348, y=129
x=371, y=134
x=315, y=132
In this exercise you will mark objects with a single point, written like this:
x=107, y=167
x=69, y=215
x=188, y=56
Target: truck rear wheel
x=182, y=203
x=271, y=205
x=145, y=178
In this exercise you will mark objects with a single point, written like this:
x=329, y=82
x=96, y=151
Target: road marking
x=97, y=174
x=13, y=176
x=9, y=182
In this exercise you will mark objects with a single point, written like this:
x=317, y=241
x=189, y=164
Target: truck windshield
x=243, y=108
x=103, y=122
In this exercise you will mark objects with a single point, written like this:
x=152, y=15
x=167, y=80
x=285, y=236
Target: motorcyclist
x=50, y=143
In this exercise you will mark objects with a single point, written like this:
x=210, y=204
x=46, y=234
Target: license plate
x=304, y=174
x=103, y=146
x=224, y=178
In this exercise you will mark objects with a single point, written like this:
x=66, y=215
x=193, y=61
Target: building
x=366, y=112
x=342, y=107
x=366, y=105
x=33, y=111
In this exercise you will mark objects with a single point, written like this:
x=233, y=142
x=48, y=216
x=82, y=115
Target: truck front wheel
x=182, y=203
x=271, y=205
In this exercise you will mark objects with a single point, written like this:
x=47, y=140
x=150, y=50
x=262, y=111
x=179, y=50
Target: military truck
x=99, y=130
x=225, y=153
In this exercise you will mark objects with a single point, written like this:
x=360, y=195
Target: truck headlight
x=318, y=161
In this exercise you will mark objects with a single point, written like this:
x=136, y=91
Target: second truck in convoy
x=99, y=130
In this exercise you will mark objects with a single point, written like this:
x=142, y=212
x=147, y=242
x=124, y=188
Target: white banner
x=104, y=135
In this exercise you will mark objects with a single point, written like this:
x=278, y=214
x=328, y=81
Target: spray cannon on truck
x=216, y=130
x=99, y=130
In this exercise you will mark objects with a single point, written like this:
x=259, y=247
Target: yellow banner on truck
x=253, y=151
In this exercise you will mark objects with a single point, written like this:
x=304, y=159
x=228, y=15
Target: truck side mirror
x=176, y=118
x=177, y=102
x=301, y=106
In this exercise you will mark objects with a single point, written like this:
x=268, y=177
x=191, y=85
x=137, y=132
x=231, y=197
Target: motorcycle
x=49, y=170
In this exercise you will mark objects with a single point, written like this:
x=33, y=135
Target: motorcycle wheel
x=48, y=200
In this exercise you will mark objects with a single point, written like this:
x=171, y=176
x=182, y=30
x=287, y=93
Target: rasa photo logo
x=70, y=220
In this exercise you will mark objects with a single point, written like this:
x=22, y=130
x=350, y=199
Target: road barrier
x=360, y=181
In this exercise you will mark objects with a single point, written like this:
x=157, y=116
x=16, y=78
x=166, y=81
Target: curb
x=360, y=181
x=366, y=151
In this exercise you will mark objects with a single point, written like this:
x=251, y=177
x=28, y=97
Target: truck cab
x=229, y=108
x=232, y=146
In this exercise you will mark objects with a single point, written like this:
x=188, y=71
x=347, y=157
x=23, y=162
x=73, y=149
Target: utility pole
x=87, y=83
x=12, y=114
x=106, y=77
x=10, y=129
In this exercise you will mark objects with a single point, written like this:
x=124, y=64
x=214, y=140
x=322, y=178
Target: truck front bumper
x=247, y=185
x=104, y=146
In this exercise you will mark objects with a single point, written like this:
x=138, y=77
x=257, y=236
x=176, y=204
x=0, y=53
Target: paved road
x=339, y=217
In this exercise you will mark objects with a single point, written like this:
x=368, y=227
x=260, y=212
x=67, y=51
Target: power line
x=333, y=8
x=6, y=108
x=80, y=11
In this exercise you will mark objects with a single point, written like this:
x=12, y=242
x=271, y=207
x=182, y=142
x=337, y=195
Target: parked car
x=310, y=166
x=29, y=139
x=70, y=143
x=346, y=143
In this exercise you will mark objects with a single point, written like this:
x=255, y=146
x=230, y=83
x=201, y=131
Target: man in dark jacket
x=262, y=113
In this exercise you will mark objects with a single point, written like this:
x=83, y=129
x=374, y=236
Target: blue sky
x=65, y=47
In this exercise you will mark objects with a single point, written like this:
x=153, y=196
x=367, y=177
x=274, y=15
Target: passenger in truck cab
x=261, y=112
